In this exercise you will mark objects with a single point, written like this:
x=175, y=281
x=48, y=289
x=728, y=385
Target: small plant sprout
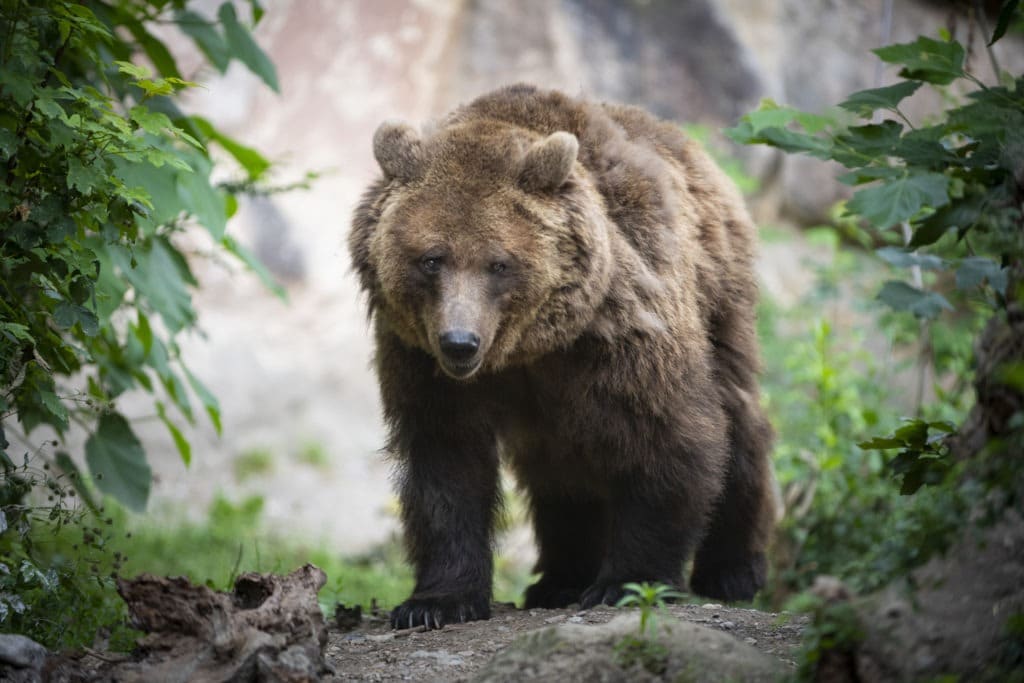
x=648, y=597
x=642, y=647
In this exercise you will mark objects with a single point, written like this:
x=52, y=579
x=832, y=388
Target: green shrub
x=102, y=174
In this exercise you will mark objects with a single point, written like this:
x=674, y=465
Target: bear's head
x=484, y=244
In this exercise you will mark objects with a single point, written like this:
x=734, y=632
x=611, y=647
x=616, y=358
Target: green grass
x=232, y=541
x=314, y=454
x=252, y=463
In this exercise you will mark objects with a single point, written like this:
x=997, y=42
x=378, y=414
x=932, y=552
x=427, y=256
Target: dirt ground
x=374, y=652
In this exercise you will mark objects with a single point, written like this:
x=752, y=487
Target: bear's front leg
x=652, y=528
x=447, y=484
x=449, y=491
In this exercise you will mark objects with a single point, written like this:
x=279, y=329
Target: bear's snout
x=460, y=352
x=459, y=345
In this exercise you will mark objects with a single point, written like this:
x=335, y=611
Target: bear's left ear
x=398, y=150
x=549, y=162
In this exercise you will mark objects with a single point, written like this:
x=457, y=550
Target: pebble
x=750, y=641
x=728, y=625
x=711, y=605
x=20, y=651
x=576, y=619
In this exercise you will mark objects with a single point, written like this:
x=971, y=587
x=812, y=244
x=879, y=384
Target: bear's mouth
x=460, y=369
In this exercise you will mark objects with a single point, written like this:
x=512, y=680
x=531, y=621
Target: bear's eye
x=431, y=265
x=498, y=267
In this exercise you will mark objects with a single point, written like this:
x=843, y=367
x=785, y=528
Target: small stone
x=554, y=620
x=576, y=619
x=728, y=625
x=750, y=641
x=20, y=651
x=711, y=605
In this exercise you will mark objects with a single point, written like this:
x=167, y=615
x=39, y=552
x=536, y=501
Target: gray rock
x=21, y=652
x=575, y=652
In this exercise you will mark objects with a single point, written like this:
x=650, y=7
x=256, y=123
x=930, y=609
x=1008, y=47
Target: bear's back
x=668, y=199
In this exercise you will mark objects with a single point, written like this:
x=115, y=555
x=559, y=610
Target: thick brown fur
x=569, y=286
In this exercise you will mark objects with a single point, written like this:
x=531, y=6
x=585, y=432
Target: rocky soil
x=270, y=628
x=503, y=649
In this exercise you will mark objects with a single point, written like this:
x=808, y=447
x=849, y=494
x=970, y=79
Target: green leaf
x=151, y=122
x=865, y=102
x=860, y=145
x=254, y=264
x=207, y=398
x=881, y=443
x=203, y=201
x=134, y=70
x=206, y=38
x=1005, y=16
x=859, y=176
x=934, y=61
x=254, y=163
x=245, y=48
x=904, y=259
x=118, y=463
x=975, y=270
x=180, y=442
x=959, y=215
x=154, y=49
x=257, y=11
x=82, y=177
x=903, y=297
x=16, y=332
x=143, y=332
x=746, y=133
x=175, y=388
x=914, y=433
x=898, y=200
x=69, y=467
x=161, y=277
x=66, y=314
x=55, y=407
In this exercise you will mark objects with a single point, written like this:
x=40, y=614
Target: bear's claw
x=602, y=593
x=435, y=612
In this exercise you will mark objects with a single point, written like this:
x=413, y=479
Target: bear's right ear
x=398, y=150
x=549, y=162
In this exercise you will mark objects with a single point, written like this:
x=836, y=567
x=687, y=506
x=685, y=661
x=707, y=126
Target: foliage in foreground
x=945, y=199
x=75, y=600
x=102, y=175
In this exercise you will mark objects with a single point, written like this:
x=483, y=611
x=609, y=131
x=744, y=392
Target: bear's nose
x=459, y=345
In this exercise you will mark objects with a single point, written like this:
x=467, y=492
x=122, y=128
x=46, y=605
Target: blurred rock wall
x=294, y=377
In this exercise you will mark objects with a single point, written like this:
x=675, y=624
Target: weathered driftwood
x=269, y=628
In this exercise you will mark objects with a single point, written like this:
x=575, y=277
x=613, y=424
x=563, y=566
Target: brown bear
x=569, y=286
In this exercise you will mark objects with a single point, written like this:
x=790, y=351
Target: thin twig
x=979, y=13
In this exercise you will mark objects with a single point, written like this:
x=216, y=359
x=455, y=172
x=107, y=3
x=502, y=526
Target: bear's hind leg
x=650, y=533
x=570, y=535
x=730, y=563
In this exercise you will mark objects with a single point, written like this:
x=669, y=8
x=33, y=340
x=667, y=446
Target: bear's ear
x=549, y=162
x=398, y=150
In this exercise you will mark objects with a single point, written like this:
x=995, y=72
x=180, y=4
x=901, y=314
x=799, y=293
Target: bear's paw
x=550, y=594
x=435, y=611
x=732, y=581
